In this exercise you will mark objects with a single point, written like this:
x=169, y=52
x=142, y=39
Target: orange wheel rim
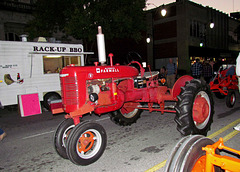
x=86, y=142
x=200, y=165
x=200, y=110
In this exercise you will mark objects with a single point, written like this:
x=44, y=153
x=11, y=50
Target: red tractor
x=123, y=92
x=225, y=83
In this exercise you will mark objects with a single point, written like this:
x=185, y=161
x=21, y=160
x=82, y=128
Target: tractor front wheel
x=86, y=143
x=127, y=115
x=194, y=108
x=61, y=135
x=189, y=156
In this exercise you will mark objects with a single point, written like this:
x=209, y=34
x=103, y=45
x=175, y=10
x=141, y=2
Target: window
x=197, y=29
x=53, y=64
x=11, y=37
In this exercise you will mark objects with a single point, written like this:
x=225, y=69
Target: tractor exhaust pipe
x=101, y=46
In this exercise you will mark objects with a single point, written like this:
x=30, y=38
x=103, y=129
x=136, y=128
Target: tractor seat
x=148, y=74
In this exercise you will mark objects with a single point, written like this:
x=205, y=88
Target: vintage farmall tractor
x=123, y=92
x=225, y=84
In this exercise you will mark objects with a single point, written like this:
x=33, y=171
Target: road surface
x=144, y=146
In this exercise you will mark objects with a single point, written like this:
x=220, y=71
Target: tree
x=49, y=17
x=80, y=18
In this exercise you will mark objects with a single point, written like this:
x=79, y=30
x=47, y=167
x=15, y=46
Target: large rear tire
x=127, y=115
x=188, y=155
x=86, y=143
x=194, y=108
x=61, y=135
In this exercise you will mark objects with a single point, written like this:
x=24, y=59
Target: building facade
x=184, y=34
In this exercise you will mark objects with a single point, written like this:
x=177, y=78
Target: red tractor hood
x=99, y=72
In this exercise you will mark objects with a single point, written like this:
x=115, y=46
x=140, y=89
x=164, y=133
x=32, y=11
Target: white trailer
x=33, y=67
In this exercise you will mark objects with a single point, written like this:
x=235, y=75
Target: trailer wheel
x=127, y=115
x=194, y=108
x=231, y=99
x=61, y=135
x=189, y=156
x=86, y=143
x=50, y=97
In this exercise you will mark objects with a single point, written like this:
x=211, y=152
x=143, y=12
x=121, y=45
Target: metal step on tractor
x=123, y=92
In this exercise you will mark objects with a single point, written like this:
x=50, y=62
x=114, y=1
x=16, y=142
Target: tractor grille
x=70, y=95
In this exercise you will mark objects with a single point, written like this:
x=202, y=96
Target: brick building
x=184, y=34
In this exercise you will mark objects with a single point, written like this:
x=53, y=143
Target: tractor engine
x=94, y=88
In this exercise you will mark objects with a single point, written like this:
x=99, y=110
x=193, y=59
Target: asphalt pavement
x=143, y=146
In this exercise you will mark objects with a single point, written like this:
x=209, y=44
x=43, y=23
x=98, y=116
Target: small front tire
x=61, y=135
x=86, y=143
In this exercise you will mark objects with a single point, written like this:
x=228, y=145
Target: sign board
x=29, y=104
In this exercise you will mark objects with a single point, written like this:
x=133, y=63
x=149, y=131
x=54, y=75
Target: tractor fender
x=180, y=83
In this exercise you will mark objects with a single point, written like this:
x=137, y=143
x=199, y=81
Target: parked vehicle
x=33, y=67
x=225, y=84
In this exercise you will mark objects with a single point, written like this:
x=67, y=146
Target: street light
x=211, y=24
x=148, y=40
x=163, y=11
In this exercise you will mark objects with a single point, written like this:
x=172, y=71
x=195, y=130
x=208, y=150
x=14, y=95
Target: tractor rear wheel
x=127, y=115
x=194, y=108
x=231, y=99
x=86, y=143
x=188, y=155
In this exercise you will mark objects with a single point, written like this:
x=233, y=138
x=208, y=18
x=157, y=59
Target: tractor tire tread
x=184, y=108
